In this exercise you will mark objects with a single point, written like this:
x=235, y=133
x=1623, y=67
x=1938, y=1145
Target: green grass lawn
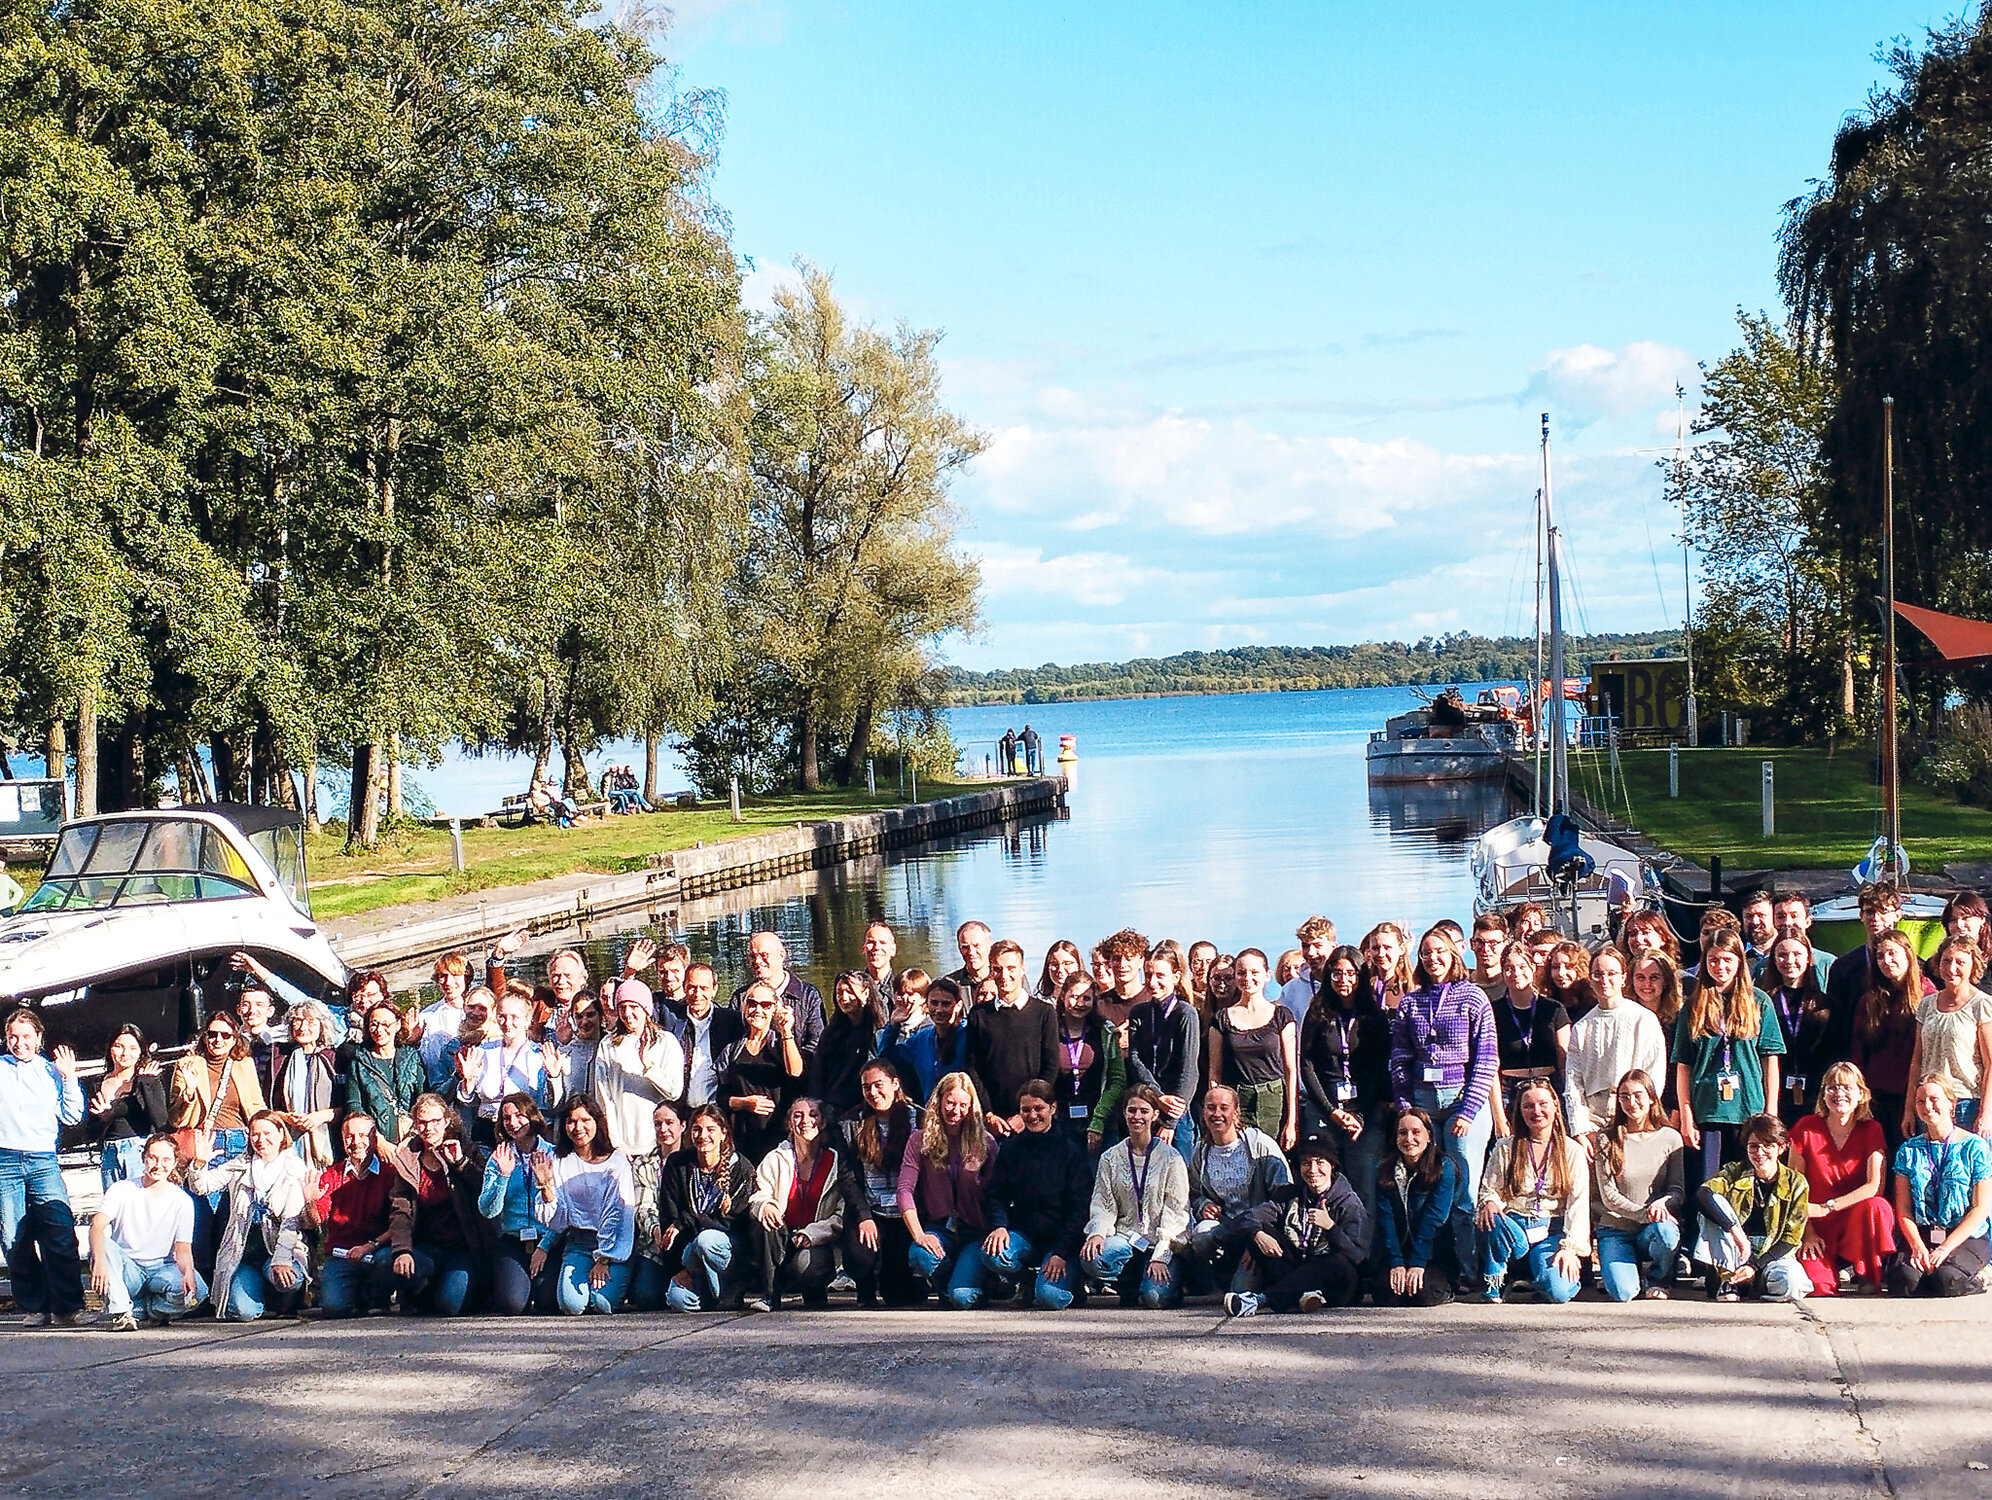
x=1827, y=809
x=412, y=863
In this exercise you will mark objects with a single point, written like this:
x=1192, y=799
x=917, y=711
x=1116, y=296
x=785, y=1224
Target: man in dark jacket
x=440, y=1241
x=1037, y=1199
x=767, y=963
x=1313, y=1238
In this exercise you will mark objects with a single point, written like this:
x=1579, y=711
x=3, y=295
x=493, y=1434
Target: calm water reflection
x=1230, y=818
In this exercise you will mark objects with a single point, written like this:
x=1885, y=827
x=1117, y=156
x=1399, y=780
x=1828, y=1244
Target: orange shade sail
x=1959, y=641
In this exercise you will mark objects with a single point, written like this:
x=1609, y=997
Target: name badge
x=1727, y=1084
x=1139, y=1242
x=1344, y=1092
x=1077, y=1111
x=1538, y=1231
x=1435, y=1075
x=1796, y=1084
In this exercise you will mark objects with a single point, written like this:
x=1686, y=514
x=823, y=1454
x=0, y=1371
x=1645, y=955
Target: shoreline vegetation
x=1430, y=662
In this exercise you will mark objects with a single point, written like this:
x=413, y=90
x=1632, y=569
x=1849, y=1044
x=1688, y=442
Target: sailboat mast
x=1559, y=772
x=1891, y=788
x=1687, y=571
x=1537, y=703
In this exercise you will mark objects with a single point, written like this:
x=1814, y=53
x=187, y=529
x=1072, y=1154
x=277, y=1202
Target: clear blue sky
x=1258, y=304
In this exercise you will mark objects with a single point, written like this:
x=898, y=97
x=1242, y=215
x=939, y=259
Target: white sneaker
x=1312, y=1302
x=1241, y=1304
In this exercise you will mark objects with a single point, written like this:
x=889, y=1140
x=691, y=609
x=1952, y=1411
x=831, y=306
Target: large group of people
x=1493, y=1112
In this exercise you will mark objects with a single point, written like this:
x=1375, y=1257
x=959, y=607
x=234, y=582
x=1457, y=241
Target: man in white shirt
x=142, y=1245
x=1317, y=941
x=709, y=1031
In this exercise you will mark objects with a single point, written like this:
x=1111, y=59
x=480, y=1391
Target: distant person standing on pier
x=767, y=963
x=1006, y=753
x=1033, y=752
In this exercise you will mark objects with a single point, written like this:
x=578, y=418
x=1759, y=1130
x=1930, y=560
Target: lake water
x=1229, y=818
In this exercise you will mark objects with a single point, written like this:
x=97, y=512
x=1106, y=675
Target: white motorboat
x=138, y=913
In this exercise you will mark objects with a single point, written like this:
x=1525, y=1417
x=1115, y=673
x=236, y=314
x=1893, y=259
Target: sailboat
x=1543, y=856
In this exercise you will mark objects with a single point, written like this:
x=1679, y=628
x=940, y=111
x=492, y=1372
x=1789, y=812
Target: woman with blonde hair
x=1841, y=1152
x=1943, y=1200
x=1535, y=1201
x=1387, y=954
x=1954, y=1033
x=943, y=1191
x=1727, y=1043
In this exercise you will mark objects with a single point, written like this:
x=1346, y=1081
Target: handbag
x=186, y=1135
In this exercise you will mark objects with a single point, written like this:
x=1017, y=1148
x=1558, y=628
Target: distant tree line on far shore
x=1455, y=658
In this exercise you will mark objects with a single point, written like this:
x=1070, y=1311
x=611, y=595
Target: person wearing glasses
x=441, y=1242
x=1754, y=1214
x=212, y=1095
x=760, y=1073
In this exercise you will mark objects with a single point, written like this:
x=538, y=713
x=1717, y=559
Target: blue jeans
x=443, y=1277
x=1621, y=1254
x=123, y=1159
x=571, y=1292
x=647, y=1281
x=145, y=1288
x=38, y=1233
x=956, y=1273
x=708, y=1259
x=251, y=1292
x=349, y=1285
x=1127, y=1268
x=1468, y=1153
x=1508, y=1242
x=1053, y=1293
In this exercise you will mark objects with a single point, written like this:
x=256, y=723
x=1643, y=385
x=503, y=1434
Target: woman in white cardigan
x=1617, y=1038
x=260, y=1265
x=798, y=1205
x=636, y=1068
x=1141, y=1207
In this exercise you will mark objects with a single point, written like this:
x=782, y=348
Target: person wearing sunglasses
x=211, y=1097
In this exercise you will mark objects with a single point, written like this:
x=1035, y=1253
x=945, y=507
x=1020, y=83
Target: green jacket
x=1785, y=1215
x=384, y=1089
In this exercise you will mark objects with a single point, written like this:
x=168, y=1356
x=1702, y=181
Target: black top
x=1528, y=1039
x=1041, y=1187
x=806, y=1000
x=140, y=1111
x=1008, y=1045
x=1080, y=1085
x=1165, y=1046
x=1253, y=1056
x=1345, y=1047
x=690, y=1198
x=742, y=1074
x=838, y=1060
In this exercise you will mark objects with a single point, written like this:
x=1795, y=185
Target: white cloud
x=1584, y=383
x=1218, y=478
x=758, y=286
x=1089, y=578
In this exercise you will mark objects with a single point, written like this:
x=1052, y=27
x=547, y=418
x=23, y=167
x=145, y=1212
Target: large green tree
x=852, y=574
x=1889, y=265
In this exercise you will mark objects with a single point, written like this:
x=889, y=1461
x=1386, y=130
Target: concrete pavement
x=1678, y=1398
